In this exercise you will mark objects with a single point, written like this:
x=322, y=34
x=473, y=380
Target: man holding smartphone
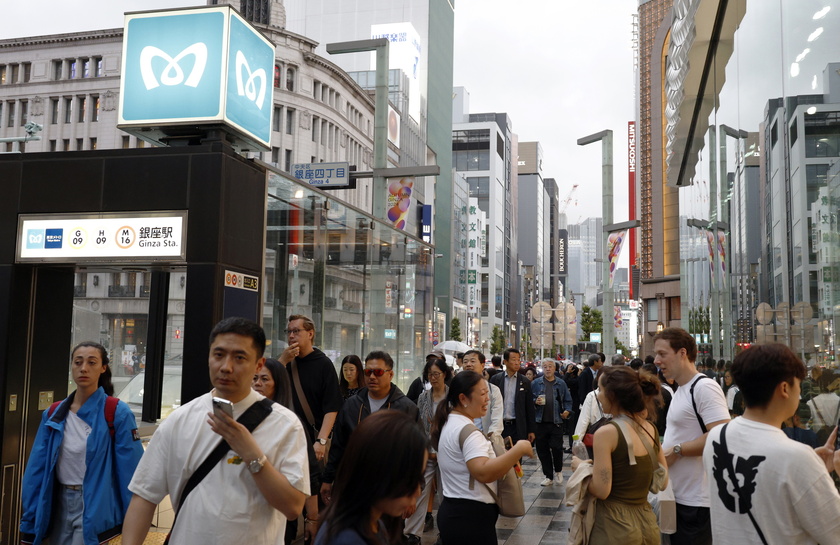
x=764, y=487
x=259, y=483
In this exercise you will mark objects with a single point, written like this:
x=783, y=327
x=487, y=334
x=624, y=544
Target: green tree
x=455, y=330
x=591, y=321
x=497, y=341
x=619, y=347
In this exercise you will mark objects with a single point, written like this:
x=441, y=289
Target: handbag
x=322, y=463
x=660, y=472
x=509, y=498
x=665, y=508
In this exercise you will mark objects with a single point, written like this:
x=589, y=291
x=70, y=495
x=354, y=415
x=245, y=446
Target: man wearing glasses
x=312, y=373
x=380, y=394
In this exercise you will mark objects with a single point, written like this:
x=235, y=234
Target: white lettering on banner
x=249, y=89
x=172, y=73
x=631, y=147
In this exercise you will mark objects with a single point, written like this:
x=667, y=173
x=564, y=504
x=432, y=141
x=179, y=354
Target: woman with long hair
x=571, y=379
x=622, y=512
x=380, y=473
x=351, y=380
x=468, y=512
x=272, y=380
x=437, y=373
x=75, y=488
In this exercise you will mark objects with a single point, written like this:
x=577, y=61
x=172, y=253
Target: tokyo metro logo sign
x=197, y=66
x=172, y=73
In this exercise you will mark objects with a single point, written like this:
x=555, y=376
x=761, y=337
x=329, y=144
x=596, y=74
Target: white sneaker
x=546, y=482
x=558, y=478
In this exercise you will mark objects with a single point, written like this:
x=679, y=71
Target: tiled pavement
x=545, y=521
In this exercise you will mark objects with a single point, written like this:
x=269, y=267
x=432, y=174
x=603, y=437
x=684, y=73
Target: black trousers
x=511, y=431
x=694, y=526
x=549, y=439
x=467, y=522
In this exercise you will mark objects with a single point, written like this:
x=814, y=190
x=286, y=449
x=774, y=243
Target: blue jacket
x=562, y=398
x=105, y=487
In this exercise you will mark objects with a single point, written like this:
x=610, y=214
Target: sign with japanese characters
x=241, y=281
x=74, y=238
x=323, y=174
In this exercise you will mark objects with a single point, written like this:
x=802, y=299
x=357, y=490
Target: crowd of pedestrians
x=676, y=451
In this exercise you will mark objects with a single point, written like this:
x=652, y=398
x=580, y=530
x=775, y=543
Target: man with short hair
x=491, y=422
x=553, y=406
x=618, y=360
x=586, y=381
x=518, y=422
x=496, y=362
x=698, y=405
x=380, y=394
x=263, y=479
x=766, y=489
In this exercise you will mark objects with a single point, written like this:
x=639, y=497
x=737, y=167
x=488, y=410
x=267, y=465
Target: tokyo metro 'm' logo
x=249, y=88
x=172, y=73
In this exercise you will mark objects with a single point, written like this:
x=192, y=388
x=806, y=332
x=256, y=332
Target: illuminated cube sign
x=191, y=68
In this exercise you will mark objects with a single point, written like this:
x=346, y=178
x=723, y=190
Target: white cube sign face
x=197, y=66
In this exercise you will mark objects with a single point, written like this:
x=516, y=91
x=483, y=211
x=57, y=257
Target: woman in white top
x=468, y=512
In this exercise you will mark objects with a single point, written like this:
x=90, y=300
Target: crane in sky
x=568, y=199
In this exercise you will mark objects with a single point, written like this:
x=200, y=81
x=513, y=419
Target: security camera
x=31, y=128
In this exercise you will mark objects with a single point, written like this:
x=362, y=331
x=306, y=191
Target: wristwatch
x=322, y=440
x=255, y=466
x=678, y=449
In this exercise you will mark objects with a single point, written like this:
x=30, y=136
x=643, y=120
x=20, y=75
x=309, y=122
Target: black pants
x=694, y=526
x=549, y=439
x=511, y=431
x=467, y=522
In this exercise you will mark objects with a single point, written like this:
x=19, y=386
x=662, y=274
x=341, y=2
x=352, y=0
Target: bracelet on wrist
x=307, y=520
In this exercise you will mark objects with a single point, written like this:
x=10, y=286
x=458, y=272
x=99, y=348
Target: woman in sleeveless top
x=623, y=514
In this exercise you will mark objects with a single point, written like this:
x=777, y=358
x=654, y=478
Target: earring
x=465, y=405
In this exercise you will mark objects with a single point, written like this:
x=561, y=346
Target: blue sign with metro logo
x=194, y=67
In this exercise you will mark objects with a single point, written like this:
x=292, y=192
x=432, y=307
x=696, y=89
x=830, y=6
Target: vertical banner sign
x=426, y=219
x=631, y=182
x=561, y=254
x=721, y=244
x=710, y=240
x=616, y=241
x=617, y=317
x=399, y=201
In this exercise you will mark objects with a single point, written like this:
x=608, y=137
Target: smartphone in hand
x=837, y=439
x=517, y=467
x=222, y=406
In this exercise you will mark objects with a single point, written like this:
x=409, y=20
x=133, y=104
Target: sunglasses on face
x=435, y=375
x=375, y=372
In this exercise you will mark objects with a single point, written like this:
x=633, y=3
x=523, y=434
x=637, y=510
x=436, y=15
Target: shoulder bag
x=509, y=498
x=660, y=472
x=308, y=412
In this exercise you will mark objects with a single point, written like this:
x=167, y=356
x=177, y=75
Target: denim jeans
x=67, y=517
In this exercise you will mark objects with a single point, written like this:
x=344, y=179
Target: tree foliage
x=591, y=321
x=455, y=330
x=498, y=343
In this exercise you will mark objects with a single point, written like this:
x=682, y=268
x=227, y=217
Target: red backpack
x=110, y=411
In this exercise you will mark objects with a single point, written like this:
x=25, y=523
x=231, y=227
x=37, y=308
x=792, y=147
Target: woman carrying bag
x=75, y=488
x=468, y=512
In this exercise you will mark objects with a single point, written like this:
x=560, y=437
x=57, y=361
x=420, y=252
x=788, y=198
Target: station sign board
x=323, y=174
x=186, y=69
x=79, y=238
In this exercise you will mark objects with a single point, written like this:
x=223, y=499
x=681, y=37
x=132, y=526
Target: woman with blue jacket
x=553, y=405
x=75, y=488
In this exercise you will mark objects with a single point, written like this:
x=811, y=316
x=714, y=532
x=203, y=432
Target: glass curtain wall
x=366, y=285
x=760, y=251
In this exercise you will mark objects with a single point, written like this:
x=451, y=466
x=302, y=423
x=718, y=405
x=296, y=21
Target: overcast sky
x=561, y=69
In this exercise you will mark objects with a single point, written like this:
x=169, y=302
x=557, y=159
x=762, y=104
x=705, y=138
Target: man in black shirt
x=313, y=373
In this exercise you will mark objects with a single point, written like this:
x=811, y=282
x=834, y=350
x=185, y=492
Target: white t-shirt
x=794, y=501
x=227, y=506
x=453, y=462
x=686, y=474
x=71, y=466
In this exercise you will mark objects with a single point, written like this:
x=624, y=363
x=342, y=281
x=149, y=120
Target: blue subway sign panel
x=196, y=67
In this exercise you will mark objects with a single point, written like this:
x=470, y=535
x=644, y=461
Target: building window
x=24, y=112
x=288, y=160
x=68, y=110
x=72, y=68
x=65, y=144
x=93, y=143
x=94, y=112
x=126, y=142
x=316, y=126
x=316, y=89
x=82, y=109
x=27, y=71
x=53, y=111
x=85, y=68
x=80, y=144
x=15, y=73
x=275, y=156
x=10, y=108
x=290, y=119
x=2, y=74
x=290, y=79
x=277, y=120
x=53, y=145
x=97, y=67
x=57, y=67
x=277, y=72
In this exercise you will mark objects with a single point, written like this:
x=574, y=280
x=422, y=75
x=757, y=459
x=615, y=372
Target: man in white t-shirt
x=260, y=483
x=765, y=488
x=698, y=405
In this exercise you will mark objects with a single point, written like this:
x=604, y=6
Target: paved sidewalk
x=545, y=521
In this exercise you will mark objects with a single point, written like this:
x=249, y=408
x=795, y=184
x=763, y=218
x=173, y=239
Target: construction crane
x=565, y=202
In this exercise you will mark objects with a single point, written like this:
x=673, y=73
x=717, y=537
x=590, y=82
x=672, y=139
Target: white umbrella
x=453, y=346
